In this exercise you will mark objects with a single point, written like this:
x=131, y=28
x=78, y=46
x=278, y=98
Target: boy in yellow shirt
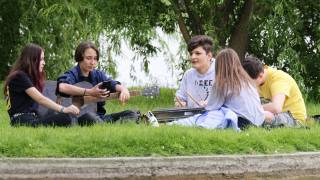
x=286, y=101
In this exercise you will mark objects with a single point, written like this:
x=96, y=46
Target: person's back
x=234, y=89
x=284, y=98
x=19, y=101
x=280, y=82
x=246, y=105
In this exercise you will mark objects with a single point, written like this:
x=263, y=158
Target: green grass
x=140, y=140
x=114, y=140
x=143, y=103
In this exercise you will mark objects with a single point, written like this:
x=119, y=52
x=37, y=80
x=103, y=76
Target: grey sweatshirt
x=246, y=104
x=196, y=84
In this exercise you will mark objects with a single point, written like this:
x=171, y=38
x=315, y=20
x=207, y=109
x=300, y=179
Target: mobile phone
x=105, y=85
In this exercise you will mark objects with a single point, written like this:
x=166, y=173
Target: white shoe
x=152, y=119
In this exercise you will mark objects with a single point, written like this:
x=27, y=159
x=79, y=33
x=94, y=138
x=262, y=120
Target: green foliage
x=282, y=33
x=10, y=23
x=286, y=34
x=134, y=21
x=57, y=26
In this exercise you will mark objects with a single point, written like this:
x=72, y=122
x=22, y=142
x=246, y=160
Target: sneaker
x=152, y=119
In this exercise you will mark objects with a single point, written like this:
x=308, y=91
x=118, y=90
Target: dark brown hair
x=28, y=62
x=253, y=66
x=78, y=55
x=200, y=41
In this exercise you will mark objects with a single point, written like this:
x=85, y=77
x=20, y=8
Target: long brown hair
x=230, y=75
x=28, y=62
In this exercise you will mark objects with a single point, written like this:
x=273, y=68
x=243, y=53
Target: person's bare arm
x=124, y=93
x=42, y=100
x=276, y=104
x=268, y=116
x=179, y=103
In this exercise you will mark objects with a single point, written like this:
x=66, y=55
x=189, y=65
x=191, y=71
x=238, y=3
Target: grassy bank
x=133, y=140
x=106, y=140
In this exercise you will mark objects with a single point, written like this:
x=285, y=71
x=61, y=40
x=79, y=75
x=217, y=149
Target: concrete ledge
x=182, y=167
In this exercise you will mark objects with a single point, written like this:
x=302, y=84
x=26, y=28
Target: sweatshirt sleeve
x=182, y=91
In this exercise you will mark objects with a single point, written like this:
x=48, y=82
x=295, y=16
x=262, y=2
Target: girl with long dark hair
x=23, y=91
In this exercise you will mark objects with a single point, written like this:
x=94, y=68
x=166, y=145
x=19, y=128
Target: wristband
x=61, y=110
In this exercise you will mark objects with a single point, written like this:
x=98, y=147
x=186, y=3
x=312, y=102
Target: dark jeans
x=89, y=119
x=122, y=116
x=31, y=119
x=244, y=123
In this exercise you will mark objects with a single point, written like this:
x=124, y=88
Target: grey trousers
x=283, y=119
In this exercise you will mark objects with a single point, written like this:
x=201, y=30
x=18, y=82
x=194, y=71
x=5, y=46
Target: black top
x=20, y=101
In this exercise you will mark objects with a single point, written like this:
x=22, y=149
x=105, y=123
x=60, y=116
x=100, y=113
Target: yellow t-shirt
x=278, y=82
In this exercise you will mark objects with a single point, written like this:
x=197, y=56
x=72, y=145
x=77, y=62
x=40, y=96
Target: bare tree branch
x=226, y=10
x=195, y=21
x=181, y=22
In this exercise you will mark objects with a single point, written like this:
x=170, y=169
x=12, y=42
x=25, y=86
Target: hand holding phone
x=105, y=85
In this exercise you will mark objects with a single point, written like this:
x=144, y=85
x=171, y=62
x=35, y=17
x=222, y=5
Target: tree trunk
x=181, y=22
x=239, y=36
x=195, y=21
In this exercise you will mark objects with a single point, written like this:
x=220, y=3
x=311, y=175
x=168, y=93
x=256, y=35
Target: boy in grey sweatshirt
x=196, y=85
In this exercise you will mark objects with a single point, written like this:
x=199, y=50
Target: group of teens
x=230, y=90
x=224, y=84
